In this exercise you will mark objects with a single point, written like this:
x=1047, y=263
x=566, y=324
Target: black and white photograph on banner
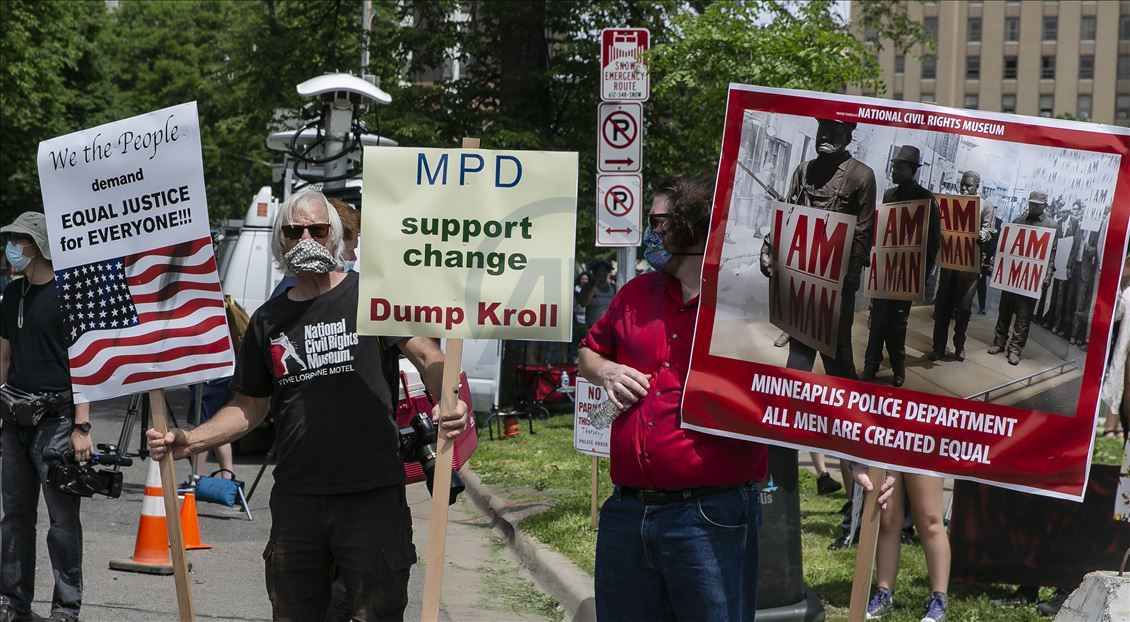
x=998, y=287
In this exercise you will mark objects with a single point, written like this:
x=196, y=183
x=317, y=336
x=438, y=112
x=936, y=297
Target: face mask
x=653, y=251
x=310, y=257
x=349, y=266
x=15, y=255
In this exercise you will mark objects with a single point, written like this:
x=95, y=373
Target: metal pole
x=366, y=26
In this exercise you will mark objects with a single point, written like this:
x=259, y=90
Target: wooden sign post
x=159, y=409
x=595, y=490
x=865, y=553
x=441, y=485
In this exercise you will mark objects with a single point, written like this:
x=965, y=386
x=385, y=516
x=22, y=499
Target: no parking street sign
x=618, y=209
x=619, y=147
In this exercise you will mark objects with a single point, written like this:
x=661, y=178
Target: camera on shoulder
x=70, y=477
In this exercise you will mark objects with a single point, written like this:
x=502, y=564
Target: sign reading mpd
x=468, y=243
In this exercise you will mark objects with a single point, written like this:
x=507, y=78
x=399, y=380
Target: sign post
x=465, y=244
x=589, y=440
x=140, y=298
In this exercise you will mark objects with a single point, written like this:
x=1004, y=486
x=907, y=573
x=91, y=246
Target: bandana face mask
x=653, y=250
x=310, y=257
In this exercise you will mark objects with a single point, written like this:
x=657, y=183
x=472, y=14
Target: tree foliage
x=528, y=75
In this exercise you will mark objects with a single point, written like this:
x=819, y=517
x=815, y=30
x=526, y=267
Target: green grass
x=507, y=592
x=544, y=467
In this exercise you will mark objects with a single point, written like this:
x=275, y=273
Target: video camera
x=418, y=442
x=83, y=480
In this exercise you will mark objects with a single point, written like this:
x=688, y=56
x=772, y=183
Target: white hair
x=301, y=201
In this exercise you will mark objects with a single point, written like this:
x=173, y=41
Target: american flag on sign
x=145, y=321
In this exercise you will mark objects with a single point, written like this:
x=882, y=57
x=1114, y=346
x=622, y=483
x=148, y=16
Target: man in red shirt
x=678, y=537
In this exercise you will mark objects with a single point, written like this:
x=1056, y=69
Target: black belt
x=660, y=497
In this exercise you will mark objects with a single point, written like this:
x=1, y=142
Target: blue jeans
x=24, y=474
x=689, y=560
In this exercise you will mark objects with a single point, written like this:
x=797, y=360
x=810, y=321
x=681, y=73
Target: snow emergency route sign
x=620, y=146
x=618, y=210
x=623, y=73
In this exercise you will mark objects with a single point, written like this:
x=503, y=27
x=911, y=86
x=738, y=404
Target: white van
x=247, y=268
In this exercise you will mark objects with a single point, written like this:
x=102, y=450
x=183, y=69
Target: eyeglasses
x=655, y=220
x=317, y=231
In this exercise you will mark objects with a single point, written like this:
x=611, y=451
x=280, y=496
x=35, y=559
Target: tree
x=49, y=73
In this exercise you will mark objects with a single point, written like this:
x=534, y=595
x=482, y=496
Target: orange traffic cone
x=151, y=553
x=513, y=426
x=190, y=524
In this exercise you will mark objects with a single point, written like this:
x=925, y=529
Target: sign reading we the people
x=811, y=248
x=898, y=270
x=468, y=243
x=961, y=228
x=1023, y=258
x=127, y=222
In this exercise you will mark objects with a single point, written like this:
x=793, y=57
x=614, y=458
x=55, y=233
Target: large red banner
x=1028, y=426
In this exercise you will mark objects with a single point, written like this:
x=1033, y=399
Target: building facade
x=1034, y=57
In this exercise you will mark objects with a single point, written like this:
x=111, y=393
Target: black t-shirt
x=335, y=431
x=39, y=351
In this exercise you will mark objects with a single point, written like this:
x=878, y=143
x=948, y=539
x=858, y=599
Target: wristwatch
x=83, y=427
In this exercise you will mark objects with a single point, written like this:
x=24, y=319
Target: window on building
x=929, y=68
x=898, y=95
x=1012, y=29
x=1010, y=65
x=1087, y=28
x=1047, y=67
x=1047, y=105
x=1087, y=67
x=1124, y=28
x=1124, y=66
x=900, y=63
x=927, y=98
x=1008, y=103
x=971, y=101
x=972, y=67
x=1122, y=107
x=1050, y=24
x=871, y=34
x=1083, y=107
x=931, y=24
x=973, y=29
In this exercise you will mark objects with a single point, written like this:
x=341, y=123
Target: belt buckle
x=653, y=497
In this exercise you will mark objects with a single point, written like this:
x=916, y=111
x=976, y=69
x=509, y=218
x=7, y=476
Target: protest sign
x=898, y=259
x=468, y=243
x=127, y=219
x=1029, y=426
x=1023, y=258
x=810, y=248
x=1092, y=217
x=961, y=228
x=587, y=439
x=1062, y=257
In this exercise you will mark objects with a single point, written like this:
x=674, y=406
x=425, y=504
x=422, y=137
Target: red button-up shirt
x=649, y=328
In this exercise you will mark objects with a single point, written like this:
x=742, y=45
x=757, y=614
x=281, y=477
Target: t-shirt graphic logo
x=281, y=350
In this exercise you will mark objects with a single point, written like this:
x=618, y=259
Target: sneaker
x=934, y=355
x=841, y=542
x=61, y=616
x=882, y=602
x=9, y=613
x=1053, y=605
x=868, y=374
x=935, y=609
x=825, y=485
x=995, y=349
x=1024, y=595
x=959, y=354
x=782, y=340
x=1013, y=358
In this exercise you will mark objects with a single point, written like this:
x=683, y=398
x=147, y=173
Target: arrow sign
x=618, y=213
x=620, y=144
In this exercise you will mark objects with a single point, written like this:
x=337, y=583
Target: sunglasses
x=317, y=231
x=655, y=220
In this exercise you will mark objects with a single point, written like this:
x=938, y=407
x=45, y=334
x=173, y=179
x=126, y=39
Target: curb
x=561, y=578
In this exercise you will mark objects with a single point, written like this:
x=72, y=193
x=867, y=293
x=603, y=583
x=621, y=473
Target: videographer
x=39, y=418
x=339, y=498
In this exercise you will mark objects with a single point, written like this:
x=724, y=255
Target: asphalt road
x=227, y=580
